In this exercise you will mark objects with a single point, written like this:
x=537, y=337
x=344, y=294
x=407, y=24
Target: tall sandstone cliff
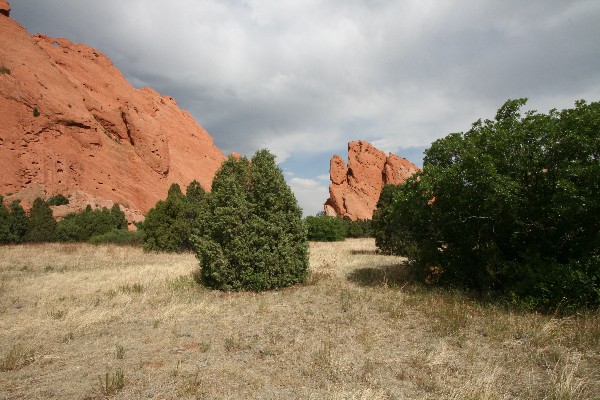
x=70, y=123
x=355, y=188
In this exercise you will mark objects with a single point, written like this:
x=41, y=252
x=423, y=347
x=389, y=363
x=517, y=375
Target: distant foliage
x=361, y=228
x=81, y=227
x=253, y=236
x=511, y=205
x=169, y=225
x=96, y=226
x=57, y=200
x=325, y=228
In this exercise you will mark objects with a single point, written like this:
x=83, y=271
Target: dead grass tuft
x=17, y=358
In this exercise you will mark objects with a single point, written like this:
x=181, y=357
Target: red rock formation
x=355, y=189
x=71, y=122
x=4, y=8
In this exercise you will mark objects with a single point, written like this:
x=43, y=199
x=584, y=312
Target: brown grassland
x=86, y=322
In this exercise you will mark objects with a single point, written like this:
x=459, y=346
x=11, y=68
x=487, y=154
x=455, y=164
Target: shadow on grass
x=391, y=275
x=365, y=252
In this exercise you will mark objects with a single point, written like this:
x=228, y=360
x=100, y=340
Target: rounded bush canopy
x=253, y=236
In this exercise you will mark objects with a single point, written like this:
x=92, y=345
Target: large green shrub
x=510, y=205
x=253, y=236
x=325, y=228
x=42, y=226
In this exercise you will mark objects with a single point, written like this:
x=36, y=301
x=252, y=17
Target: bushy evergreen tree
x=13, y=222
x=253, y=236
x=169, y=225
x=42, y=226
x=510, y=205
x=118, y=217
x=18, y=222
x=325, y=228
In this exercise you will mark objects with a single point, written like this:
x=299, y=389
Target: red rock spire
x=355, y=189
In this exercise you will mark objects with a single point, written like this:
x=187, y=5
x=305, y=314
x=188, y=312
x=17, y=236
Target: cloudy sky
x=305, y=77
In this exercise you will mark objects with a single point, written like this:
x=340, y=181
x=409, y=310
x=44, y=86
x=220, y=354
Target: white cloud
x=310, y=194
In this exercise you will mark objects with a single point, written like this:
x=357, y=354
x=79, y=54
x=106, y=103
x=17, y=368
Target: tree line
x=99, y=225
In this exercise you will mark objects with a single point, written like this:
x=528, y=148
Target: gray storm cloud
x=305, y=77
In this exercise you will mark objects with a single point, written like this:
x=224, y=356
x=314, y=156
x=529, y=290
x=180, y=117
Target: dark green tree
x=58, y=200
x=361, y=228
x=164, y=227
x=195, y=193
x=42, y=226
x=118, y=217
x=510, y=205
x=325, y=228
x=18, y=222
x=253, y=236
x=4, y=223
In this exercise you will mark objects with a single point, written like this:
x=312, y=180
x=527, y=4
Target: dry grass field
x=87, y=322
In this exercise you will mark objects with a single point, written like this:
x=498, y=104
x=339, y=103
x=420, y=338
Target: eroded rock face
x=4, y=8
x=355, y=189
x=71, y=122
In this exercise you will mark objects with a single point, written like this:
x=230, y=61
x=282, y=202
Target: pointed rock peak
x=355, y=188
x=4, y=8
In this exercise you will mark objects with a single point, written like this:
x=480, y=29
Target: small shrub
x=16, y=358
x=135, y=288
x=36, y=112
x=57, y=200
x=119, y=352
x=324, y=228
x=112, y=383
x=58, y=314
x=4, y=70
